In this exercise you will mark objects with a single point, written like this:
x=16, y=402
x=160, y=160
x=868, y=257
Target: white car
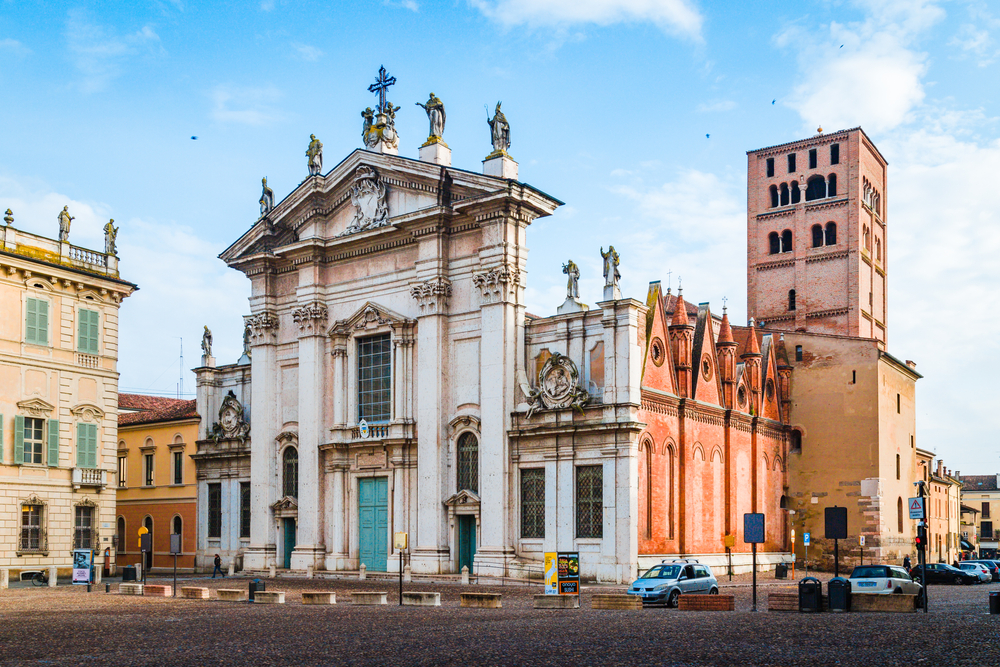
x=977, y=569
x=883, y=579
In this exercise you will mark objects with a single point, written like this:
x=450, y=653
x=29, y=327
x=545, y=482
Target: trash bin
x=839, y=594
x=810, y=594
x=255, y=585
x=128, y=573
x=995, y=602
x=780, y=571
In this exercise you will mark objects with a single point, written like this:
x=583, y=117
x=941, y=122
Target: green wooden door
x=288, y=528
x=466, y=541
x=373, y=522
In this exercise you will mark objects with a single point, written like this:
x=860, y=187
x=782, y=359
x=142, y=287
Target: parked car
x=991, y=565
x=883, y=579
x=666, y=582
x=978, y=569
x=942, y=573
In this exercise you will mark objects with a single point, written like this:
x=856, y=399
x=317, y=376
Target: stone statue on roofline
x=435, y=116
x=611, y=275
x=64, y=221
x=266, y=197
x=110, y=234
x=206, y=342
x=572, y=272
x=315, y=155
x=499, y=131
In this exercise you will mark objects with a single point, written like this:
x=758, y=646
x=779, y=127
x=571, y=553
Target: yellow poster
x=551, y=574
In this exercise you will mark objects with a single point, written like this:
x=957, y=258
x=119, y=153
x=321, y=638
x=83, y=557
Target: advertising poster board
x=562, y=573
x=82, y=560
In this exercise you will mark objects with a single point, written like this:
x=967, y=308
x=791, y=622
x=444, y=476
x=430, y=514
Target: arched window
x=796, y=444
x=831, y=233
x=649, y=490
x=774, y=242
x=867, y=239
x=791, y=299
x=796, y=193
x=831, y=185
x=290, y=472
x=774, y=195
x=878, y=249
x=815, y=188
x=817, y=231
x=784, y=194
x=468, y=462
x=178, y=525
x=786, y=241
x=120, y=547
x=899, y=514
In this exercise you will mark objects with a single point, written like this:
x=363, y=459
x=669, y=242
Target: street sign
x=753, y=528
x=805, y=538
x=399, y=541
x=175, y=543
x=836, y=523
x=729, y=541
x=861, y=540
x=917, y=508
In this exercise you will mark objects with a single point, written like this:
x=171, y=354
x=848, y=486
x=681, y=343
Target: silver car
x=978, y=569
x=669, y=580
x=883, y=579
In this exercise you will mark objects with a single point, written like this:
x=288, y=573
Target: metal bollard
x=107, y=588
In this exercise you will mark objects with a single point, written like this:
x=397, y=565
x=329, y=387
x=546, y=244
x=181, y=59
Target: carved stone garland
x=558, y=387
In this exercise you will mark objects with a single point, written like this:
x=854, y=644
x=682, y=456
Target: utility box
x=810, y=595
x=839, y=594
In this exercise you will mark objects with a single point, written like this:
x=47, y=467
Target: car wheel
x=898, y=591
x=714, y=591
x=958, y=580
x=673, y=598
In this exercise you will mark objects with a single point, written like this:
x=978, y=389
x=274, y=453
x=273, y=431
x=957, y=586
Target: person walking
x=906, y=562
x=218, y=567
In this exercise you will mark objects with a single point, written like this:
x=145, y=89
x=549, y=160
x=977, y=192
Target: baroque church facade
x=393, y=382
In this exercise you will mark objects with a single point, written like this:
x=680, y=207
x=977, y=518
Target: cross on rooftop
x=381, y=84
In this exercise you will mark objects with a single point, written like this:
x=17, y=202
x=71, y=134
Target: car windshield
x=868, y=572
x=945, y=566
x=662, y=572
x=968, y=566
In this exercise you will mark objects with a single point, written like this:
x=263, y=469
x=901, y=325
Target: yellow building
x=58, y=398
x=157, y=488
x=982, y=493
x=943, y=504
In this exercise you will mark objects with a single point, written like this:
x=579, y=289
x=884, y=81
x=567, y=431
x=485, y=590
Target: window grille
x=468, y=462
x=244, y=509
x=31, y=528
x=375, y=379
x=590, y=501
x=533, y=503
x=83, y=527
x=290, y=472
x=215, y=510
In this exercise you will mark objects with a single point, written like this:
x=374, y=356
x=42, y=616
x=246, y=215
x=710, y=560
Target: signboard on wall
x=562, y=573
x=753, y=528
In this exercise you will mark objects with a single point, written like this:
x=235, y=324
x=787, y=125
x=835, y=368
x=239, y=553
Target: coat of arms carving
x=368, y=196
x=231, y=425
x=558, y=386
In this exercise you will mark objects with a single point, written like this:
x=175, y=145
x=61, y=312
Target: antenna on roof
x=180, y=371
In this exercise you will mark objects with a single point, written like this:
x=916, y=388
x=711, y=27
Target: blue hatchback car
x=666, y=582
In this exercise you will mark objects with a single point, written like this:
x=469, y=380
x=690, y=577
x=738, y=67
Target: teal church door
x=466, y=541
x=373, y=522
x=288, y=529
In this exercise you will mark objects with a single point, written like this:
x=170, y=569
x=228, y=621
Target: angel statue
x=435, y=115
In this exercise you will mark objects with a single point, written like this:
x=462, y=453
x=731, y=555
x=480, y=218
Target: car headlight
x=661, y=587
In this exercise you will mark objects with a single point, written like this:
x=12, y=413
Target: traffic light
x=921, y=540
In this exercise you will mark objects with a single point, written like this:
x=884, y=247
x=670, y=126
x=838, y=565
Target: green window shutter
x=18, y=439
x=31, y=321
x=86, y=445
x=87, y=331
x=92, y=443
x=43, y=322
x=53, y=434
x=95, y=318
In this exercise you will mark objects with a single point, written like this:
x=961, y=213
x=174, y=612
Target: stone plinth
x=706, y=603
x=319, y=597
x=615, y=601
x=899, y=604
x=501, y=166
x=437, y=153
x=368, y=597
x=481, y=600
x=231, y=595
x=269, y=597
x=612, y=293
x=129, y=589
x=572, y=305
x=157, y=591
x=416, y=599
x=53, y=577
x=4, y=578
x=194, y=593
x=557, y=602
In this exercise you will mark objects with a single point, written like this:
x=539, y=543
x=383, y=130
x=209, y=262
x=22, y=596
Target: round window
x=658, y=352
x=706, y=367
x=770, y=390
x=741, y=397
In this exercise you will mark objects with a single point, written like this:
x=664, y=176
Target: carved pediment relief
x=35, y=407
x=464, y=421
x=463, y=498
x=287, y=507
x=369, y=317
x=558, y=387
x=232, y=424
x=88, y=412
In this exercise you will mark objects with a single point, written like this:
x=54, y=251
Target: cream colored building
x=58, y=400
x=943, y=502
x=982, y=493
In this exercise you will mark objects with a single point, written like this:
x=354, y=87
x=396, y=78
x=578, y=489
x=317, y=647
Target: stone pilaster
x=263, y=424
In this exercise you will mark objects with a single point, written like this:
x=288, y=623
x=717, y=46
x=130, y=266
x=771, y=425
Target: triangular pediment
x=35, y=407
x=463, y=498
x=286, y=504
x=370, y=316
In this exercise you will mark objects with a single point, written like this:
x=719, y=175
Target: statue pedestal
x=382, y=147
x=207, y=361
x=612, y=293
x=572, y=305
x=436, y=153
x=501, y=166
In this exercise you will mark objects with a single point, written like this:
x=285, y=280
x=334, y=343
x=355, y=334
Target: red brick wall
x=163, y=516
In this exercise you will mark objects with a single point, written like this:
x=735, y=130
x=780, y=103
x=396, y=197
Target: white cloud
x=676, y=17
x=307, y=52
x=100, y=55
x=14, y=47
x=267, y=5
x=976, y=42
x=245, y=105
x=405, y=4
x=717, y=106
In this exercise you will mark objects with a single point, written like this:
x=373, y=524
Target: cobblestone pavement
x=68, y=626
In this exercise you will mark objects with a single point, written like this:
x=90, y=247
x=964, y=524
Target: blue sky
x=636, y=113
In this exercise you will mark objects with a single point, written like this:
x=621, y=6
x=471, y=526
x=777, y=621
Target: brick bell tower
x=816, y=236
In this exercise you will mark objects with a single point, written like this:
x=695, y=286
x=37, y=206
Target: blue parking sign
x=805, y=539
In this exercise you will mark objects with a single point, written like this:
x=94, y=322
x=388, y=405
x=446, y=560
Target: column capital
x=263, y=327
x=311, y=319
x=499, y=284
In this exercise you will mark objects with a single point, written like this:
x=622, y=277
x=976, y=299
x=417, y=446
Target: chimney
x=912, y=364
x=940, y=465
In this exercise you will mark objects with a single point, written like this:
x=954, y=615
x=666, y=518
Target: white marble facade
x=433, y=258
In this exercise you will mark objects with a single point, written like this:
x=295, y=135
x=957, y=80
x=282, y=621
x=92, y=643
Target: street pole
x=754, y=576
x=836, y=558
x=175, y=574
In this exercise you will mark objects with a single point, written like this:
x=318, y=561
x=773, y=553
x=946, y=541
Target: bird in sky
x=707, y=136
x=193, y=138
x=774, y=100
